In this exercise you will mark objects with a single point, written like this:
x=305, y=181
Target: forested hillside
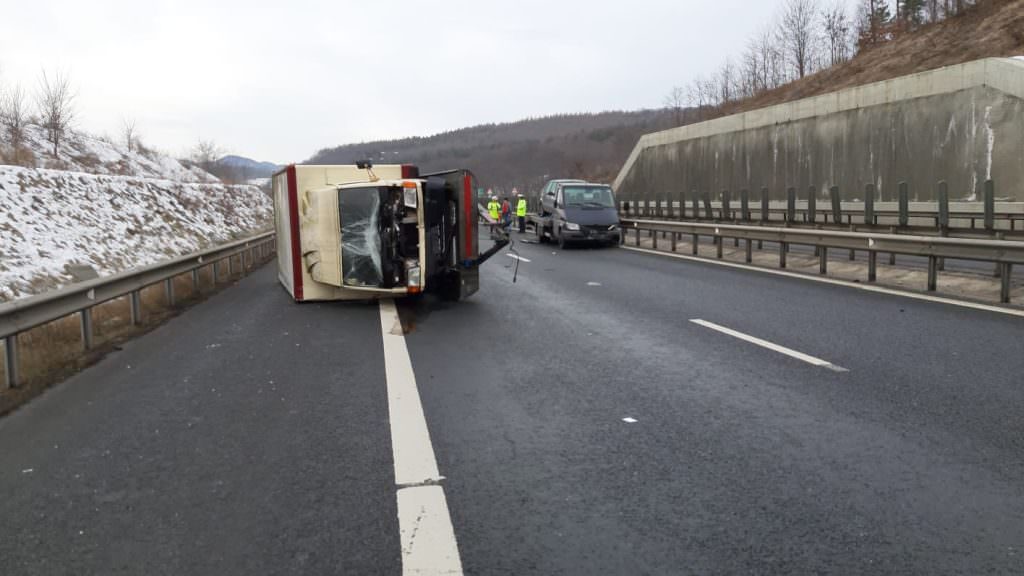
x=519, y=154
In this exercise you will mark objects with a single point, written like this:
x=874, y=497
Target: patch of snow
x=52, y=219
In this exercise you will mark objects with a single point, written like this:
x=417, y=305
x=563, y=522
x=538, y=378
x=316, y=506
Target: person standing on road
x=521, y=213
x=506, y=212
x=494, y=209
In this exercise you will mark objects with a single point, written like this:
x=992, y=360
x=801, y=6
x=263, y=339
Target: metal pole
x=812, y=204
x=990, y=205
x=1004, y=285
x=637, y=236
x=872, y=265
x=823, y=261
x=11, y=361
x=674, y=236
x=195, y=280
x=135, y=303
x=216, y=272
x=696, y=243
x=86, y=318
x=654, y=241
x=231, y=267
x=719, y=241
x=933, y=272
x=169, y=291
x=783, y=248
x=869, y=204
x=749, y=250
x=904, y=204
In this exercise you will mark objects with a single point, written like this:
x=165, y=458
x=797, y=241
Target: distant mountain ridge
x=240, y=169
x=519, y=154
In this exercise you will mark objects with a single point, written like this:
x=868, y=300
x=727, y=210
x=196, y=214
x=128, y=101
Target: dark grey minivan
x=581, y=212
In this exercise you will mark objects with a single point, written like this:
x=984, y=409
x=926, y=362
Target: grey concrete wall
x=963, y=124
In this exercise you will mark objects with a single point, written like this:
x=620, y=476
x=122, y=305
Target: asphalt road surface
x=581, y=421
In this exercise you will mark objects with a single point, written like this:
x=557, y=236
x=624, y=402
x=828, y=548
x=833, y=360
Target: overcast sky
x=279, y=80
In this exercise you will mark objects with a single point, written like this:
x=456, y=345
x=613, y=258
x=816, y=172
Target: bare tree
x=797, y=31
x=675, y=102
x=14, y=118
x=205, y=154
x=54, y=104
x=129, y=133
x=726, y=83
x=838, y=32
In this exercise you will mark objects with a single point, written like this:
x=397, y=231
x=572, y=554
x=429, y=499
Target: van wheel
x=539, y=229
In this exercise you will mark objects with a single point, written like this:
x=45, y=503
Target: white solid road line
x=774, y=347
x=427, y=535
x=837, y=282
x=518, y=257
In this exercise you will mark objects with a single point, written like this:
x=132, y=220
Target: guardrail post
x=726, y=205
x=654, y=241
x=749, y=251
x=169, y=291
x=745, y=205
x=869, y=204
x=720, y=241
x=195, y=280
x=764, y=204
x=837, y=205
x=904, y=204
x=1004, y=285
x=790, y=205
x=933, y=273
x=812, y=204
x=86, y=320
x=892, y=255
x=990, y=205
x=943, y=219
x=696, y=206
x=823, y=260
x=216, y=273
x=943, y=197
x=696, y=244
x=637, y=230
x=872, y=265
x=11, y=362
x=783, y=248
x=231, y=267
x=707, y=207
x=135, y=304
x=999, y=266
x=674, y=235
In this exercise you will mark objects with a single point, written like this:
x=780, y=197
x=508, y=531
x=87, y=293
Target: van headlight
x=572, y=226
x=412, y=274
x=409, y=196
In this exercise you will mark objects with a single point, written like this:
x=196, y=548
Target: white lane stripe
x=517, y=257
x=428, y=539
x=410, y=440
x=837, y=282
x=774, y=347
x=427, y=535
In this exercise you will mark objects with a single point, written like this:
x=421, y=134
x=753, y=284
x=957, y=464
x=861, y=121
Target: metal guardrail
x=814, y=208
x=24, y=314
x=1003, y=252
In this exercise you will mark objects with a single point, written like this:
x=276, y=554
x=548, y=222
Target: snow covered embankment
x=50, y=219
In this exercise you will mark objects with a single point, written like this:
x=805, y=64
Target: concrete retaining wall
x=963, y=124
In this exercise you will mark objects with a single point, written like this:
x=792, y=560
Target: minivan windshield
x=588, y=196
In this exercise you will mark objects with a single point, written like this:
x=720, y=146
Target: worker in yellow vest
x=494, y=208
x=521, y=213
